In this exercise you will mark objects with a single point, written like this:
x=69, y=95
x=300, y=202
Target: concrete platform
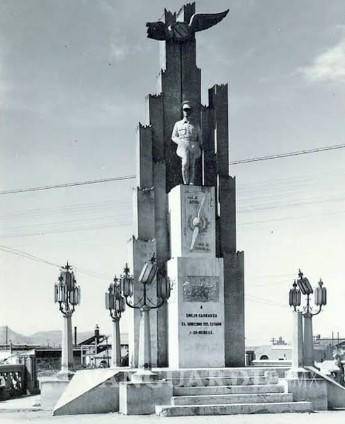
x=232, y=409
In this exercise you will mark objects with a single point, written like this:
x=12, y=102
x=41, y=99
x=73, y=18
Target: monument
x=185, y=209
x=185, y=233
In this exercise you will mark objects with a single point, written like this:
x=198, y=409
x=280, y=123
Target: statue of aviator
x=187, y=135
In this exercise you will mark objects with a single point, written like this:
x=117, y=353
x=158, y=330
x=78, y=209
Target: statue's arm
x=174, y=136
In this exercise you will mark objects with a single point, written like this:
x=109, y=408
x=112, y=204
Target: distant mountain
x=51, y=338
x=45, y=338
x=12, y=336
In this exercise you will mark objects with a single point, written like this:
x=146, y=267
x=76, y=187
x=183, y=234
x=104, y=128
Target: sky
x=73, y=80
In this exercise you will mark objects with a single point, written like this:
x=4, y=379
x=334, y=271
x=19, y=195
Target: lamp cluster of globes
x=67, y=292
x=121, y=290
x=303, y=286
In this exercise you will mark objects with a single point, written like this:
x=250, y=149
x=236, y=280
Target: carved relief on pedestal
x=201, y=289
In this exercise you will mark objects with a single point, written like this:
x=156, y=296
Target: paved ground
x=26, y=410
x=40, y=417
x=25, y=403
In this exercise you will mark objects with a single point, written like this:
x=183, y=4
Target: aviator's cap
x=186, y=105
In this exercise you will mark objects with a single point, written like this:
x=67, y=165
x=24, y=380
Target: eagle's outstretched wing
x=157, y=30
x=201, y=21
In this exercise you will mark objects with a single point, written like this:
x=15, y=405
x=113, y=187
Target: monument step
x=231, y=399
x=223, y=390
x=224, y=381
x=232, y=409
x=221, y=372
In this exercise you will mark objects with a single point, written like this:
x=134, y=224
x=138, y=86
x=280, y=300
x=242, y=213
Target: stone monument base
x=142, y=398
x=306, y=386
x=51, y=391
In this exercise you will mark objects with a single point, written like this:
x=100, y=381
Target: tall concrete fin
x=218, y=101
x=144, y=214
x=163, y=253
x=144, y=157
x=171, y=87
x=155, y=113
x=155, y=118
x=209, y=167
x=218, y=129
x=144, y=217
x=234, y=309
x=227, y=213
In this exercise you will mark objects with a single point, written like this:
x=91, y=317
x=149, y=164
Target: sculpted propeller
x=197, y=223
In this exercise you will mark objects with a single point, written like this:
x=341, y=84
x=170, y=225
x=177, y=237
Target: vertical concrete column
x=234, y=309
x=209, y=170
x=141, y=251
x=32, y=385
x=67, y=347
x=226, y=229
x=155, y=112
x=116, y=344
x=145, y=339
x=218, y=101
x=308, y=343
x=297, y=341
x=144, y=157
x=172, y=99
x=142, y=245
x=227, y=212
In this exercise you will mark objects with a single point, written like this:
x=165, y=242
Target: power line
x=79, y=183
x=103, y=277
x=35, y=258
x=27, y=255
x=131, y=177
x=288, y=154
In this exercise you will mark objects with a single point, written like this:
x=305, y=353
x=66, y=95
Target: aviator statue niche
x=187, y=135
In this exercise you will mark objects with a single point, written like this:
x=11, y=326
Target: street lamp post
x=115, y=303
x=145, y=305
x=299, y=287
x=67, y=295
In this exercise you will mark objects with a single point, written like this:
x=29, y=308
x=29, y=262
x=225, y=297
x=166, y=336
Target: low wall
x=335, y=391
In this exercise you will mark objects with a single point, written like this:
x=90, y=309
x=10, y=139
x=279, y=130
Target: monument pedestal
x=196, y=304
x=196, y=313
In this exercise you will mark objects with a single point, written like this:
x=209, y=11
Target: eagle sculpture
x=182, y=31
